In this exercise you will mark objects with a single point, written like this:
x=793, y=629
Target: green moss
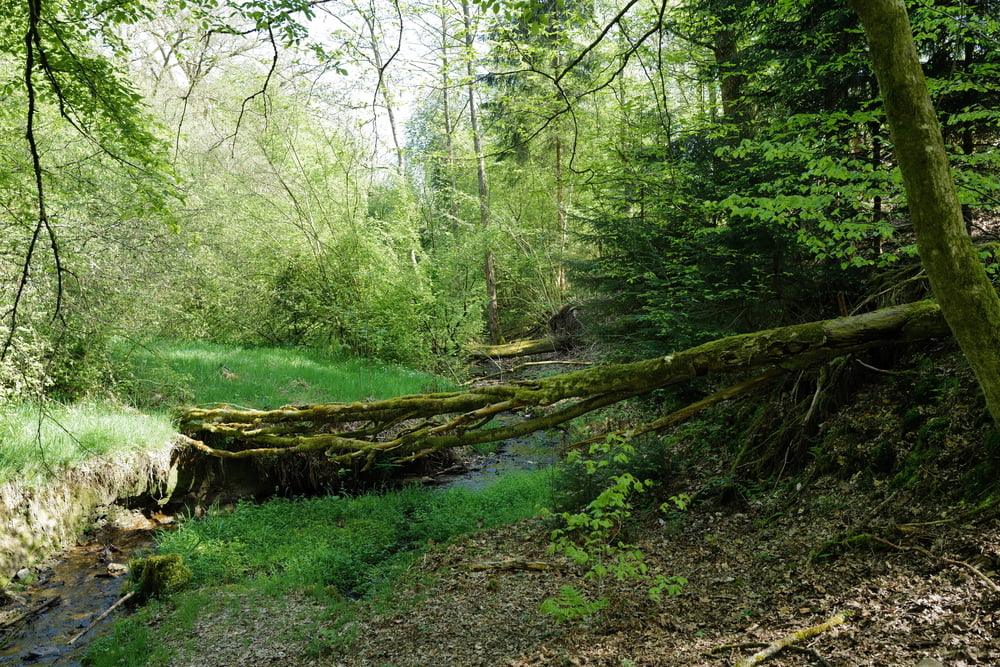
x=157, y=576
x=911, y=420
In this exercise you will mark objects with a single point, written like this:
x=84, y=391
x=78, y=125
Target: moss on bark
x=407, y=427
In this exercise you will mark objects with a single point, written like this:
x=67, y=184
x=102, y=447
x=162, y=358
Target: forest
x=748, y=249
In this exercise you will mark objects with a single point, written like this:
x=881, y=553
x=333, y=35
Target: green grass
x=339, y=549
x=38, y=442
x=171, y=373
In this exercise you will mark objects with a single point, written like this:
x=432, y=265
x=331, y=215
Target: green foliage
x=170, y=373
x=352, y=544
x=594, y=536
x=334, y=548
x=580, y=479
x=571, y=605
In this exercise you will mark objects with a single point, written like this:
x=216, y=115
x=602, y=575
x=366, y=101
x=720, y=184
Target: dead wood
x=517, y=564
x=37, y=609
x=520, y=348
x=408, y=427
x=13, y=625
x=521, y=367
x=796, y=649
x=687, y=411
x=788, y=640
x=118, y=603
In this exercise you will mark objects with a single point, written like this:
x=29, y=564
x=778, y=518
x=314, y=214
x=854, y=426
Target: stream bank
x=81, y=578
x=74, y=586
x=38, y=521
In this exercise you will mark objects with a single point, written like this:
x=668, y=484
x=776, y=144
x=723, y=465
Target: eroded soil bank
x=39, y=521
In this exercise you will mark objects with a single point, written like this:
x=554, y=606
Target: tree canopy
x=401, y=180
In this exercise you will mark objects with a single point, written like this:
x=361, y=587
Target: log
x=408, y=427
x=520, y=348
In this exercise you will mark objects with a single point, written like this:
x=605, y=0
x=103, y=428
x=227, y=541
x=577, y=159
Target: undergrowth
x=336, y=549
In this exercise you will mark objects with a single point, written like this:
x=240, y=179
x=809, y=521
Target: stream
x=528, y=452
x=82, y=583
x=79, y=580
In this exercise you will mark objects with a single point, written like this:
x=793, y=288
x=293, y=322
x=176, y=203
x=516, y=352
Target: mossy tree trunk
x=957, y=276
x=408, y=427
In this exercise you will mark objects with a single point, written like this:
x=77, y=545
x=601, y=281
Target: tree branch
x=349, y=432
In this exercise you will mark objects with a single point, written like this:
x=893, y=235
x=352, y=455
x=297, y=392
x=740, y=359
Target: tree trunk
x=405, y=428
x=489, y=268
x=449, y=142
x=384, y=86
x=960, y=283
x=519, y=348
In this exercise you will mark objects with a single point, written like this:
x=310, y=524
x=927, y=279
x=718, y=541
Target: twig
x=881, y=370
x=100, y=618
x=516, y=564
x=31, y=612
x=799, y=649
x=800, y=635
x=972, y=568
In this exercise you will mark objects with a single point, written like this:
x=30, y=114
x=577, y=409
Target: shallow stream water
x=529, y=452
x=79, y=582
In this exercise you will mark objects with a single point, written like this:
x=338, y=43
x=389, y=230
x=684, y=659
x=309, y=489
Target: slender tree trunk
x=385, y=89
x=449, y=141
x=562, y=287
x=492, y=308
x=968, y=301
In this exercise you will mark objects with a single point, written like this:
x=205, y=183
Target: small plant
x=590, y=537
x=571, y=605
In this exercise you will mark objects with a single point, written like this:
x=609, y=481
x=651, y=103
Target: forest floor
x=752, y=579
x=759, y=568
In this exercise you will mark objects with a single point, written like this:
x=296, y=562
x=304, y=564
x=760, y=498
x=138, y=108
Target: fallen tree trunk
x=520, y=348
x=408, y=427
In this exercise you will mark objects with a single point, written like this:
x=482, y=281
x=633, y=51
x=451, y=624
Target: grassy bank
x=333, y=551
x=42, y=439
x=170, y=373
